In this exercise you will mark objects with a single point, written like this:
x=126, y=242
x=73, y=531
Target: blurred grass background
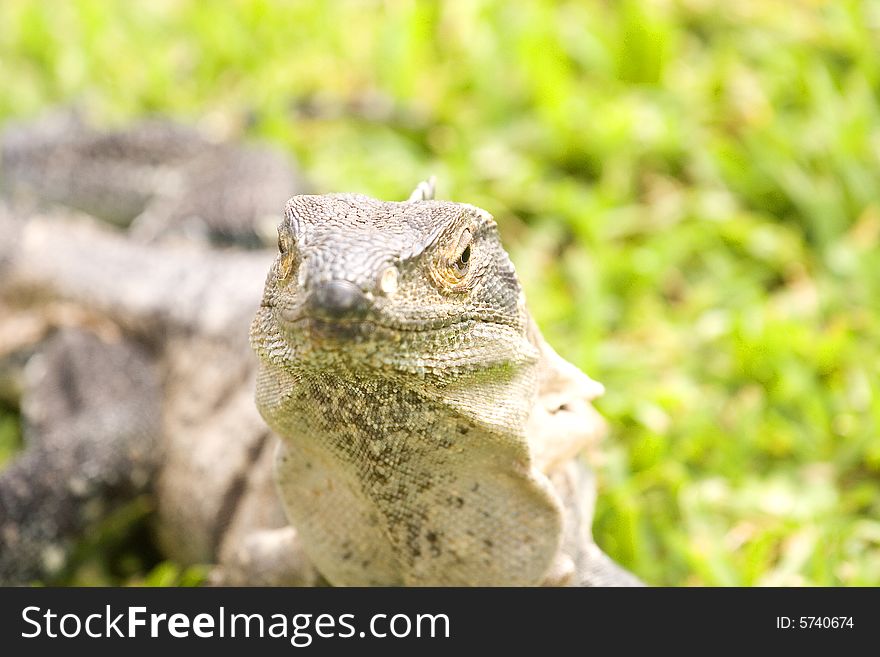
x=690, y=190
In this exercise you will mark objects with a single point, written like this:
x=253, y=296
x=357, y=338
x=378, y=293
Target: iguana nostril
x=338, y=298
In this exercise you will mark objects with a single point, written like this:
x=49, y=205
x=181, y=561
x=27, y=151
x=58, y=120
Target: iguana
x=430, y=435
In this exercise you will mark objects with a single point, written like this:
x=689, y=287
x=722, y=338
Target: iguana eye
x=286, y=258
x=451, y=266
x=459, y=266
x=283, y=242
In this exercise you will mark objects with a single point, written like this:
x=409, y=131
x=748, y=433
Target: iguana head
x=399, y=366
x=417, y=287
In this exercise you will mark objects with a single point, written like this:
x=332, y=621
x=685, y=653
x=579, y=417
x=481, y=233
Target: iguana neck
x=399, y=471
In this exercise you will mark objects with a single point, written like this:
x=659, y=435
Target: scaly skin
x=161, y=178
x=419, y=407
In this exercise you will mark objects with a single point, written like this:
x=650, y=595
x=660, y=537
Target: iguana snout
x=337, y=300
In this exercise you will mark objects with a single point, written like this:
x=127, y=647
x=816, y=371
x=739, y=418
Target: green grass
x=690, y=191
x=10, y=434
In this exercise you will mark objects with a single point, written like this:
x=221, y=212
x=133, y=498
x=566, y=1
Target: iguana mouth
x=317, y=328
x=299, y=318
x=322, y=330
